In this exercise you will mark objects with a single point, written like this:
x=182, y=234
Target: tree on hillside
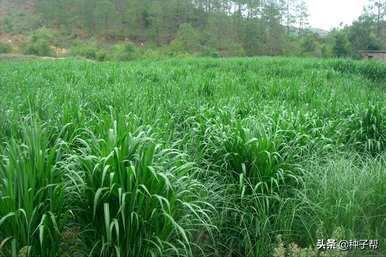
x=229, y=27
x=187, y=40
x=104, y=16
x=274, y=31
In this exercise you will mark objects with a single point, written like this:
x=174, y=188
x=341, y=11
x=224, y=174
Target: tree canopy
x=228, y=27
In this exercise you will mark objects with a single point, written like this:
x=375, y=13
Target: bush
x=232, y=49
x=153, y=54
x=125, y=52
x=5, y=48
x=187, y=40
x=88, y=50
x=40, y=48
x=39, y=43
x=207, y=51
x=101, y=55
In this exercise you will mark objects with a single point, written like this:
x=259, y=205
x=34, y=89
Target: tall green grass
x=346, y=193
x=189, y=157
x=140, y=198
x=32, y=194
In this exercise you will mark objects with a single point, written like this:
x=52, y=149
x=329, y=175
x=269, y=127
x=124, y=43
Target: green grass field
x=192, y=157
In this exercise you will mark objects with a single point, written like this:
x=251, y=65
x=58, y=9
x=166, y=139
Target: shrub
x=88, y=50
x=101, y=55
x=207, y=51
x=154, y=53
x=187, y=40
x=232, y=49
x=5, y=48
x=40, y=48
x=39, y=43
x=125, y=52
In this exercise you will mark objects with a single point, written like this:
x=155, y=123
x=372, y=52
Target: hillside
x=126, y=30
x=166, y=28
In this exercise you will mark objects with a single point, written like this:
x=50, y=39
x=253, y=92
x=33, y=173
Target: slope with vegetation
x=191, y=157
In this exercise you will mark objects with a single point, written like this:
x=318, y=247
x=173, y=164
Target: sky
x=328, y=14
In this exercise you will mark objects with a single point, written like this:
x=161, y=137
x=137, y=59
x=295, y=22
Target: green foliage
x=103, y=15
x=5, y=48
x=374, y=71
x=362, y=34
x=201, y=27
x=206, y=51
x=232, y=49
x=258, y=157
x=367, y=130
x=310, y=46
x=88, y=50
x=358, y=183
x=101, y=55
x=153, y=54
x=32, y=206
x=17, y=20
x=139, y=195
x=342, y=45
x=187, y=40
x=39, y=43
x=125, y=52
x=189, y=157
x=7, y=25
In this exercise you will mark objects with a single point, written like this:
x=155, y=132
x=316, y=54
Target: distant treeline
x=205, y=27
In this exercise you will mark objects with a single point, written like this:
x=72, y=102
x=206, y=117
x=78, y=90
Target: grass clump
x=141, y=198
x=366, y=130
x=360, y=207
x=32, y=207
x=258, y=158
